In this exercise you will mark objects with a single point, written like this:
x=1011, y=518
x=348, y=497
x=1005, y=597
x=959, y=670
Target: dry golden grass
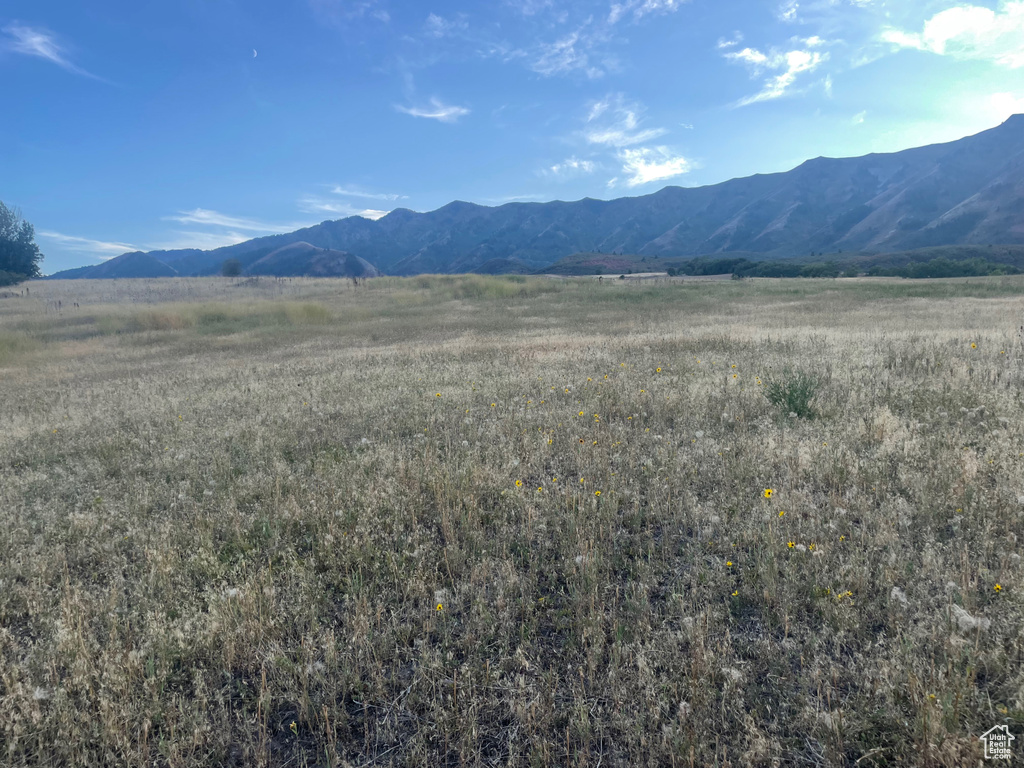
x=468, y=521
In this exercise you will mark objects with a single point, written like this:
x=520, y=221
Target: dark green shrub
x=792, y=393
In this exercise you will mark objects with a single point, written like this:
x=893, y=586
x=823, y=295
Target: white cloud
x=737, y=38
x=529, y=7
x=970, y=32
x=318, y=205
x=859, y=117
x=436, y=111
x=1003, y=105
x=438, y=26
x=204, y=241
x=514, y=198
x=341, y=12
x=647, y=164
x=355, y=192
x=788, y=64
x=40, y=42
x=750, y=56
x=571, y=52
x=97, y=248
x=572, y=166
x=622, y=129
x=641, y=8
x=787, y=11
x=214, y=219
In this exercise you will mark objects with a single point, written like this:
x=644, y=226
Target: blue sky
x=198, y=123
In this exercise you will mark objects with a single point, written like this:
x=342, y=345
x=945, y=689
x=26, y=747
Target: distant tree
x=851, y=272
x=231, y=268
x=821, y=269
x=19, y=254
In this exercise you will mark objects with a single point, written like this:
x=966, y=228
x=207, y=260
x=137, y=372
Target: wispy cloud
x=203, y=241
x=641, y=8
x=438, y=26
x=99, y=249
x=224, y=230
x=615, y=122
x=970, y=32
x=647, y=164
x=859, y=117
x=787, y=10
x=342, y=12
x=319, y=205
x=529, y=7
x=723, y=43
x=570, y=53
x=356, y=192
x=514, y=198
x=786, y=64
x=437, y=110
x=40, y=42
x=572, y=166
x=213, y=218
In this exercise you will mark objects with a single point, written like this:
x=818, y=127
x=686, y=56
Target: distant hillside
x=965, y=192
x=504, y=267
x=135, y=264
x=305, y=259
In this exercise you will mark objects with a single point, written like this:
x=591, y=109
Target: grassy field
x=509, y=521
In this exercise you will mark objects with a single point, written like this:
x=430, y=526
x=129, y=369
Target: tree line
x=19, y=254
x=937, y=267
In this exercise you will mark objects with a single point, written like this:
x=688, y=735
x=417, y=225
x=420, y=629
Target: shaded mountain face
x=135, y=264
x=304, y=259
x=969, y=191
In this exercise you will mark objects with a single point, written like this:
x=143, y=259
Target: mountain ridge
x=967, y=191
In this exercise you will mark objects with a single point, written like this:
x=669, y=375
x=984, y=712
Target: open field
x=509, y=521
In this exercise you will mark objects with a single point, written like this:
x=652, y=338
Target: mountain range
x=969, y=191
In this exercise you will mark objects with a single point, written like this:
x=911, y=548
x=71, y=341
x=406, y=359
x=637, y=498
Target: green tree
x=231, y=268
x=19, y=254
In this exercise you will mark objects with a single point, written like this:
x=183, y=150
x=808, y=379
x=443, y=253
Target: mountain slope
x=969, y=191
x=135, y=264
x=304, y=259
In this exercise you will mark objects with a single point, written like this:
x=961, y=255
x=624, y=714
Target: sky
x=200, y=123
